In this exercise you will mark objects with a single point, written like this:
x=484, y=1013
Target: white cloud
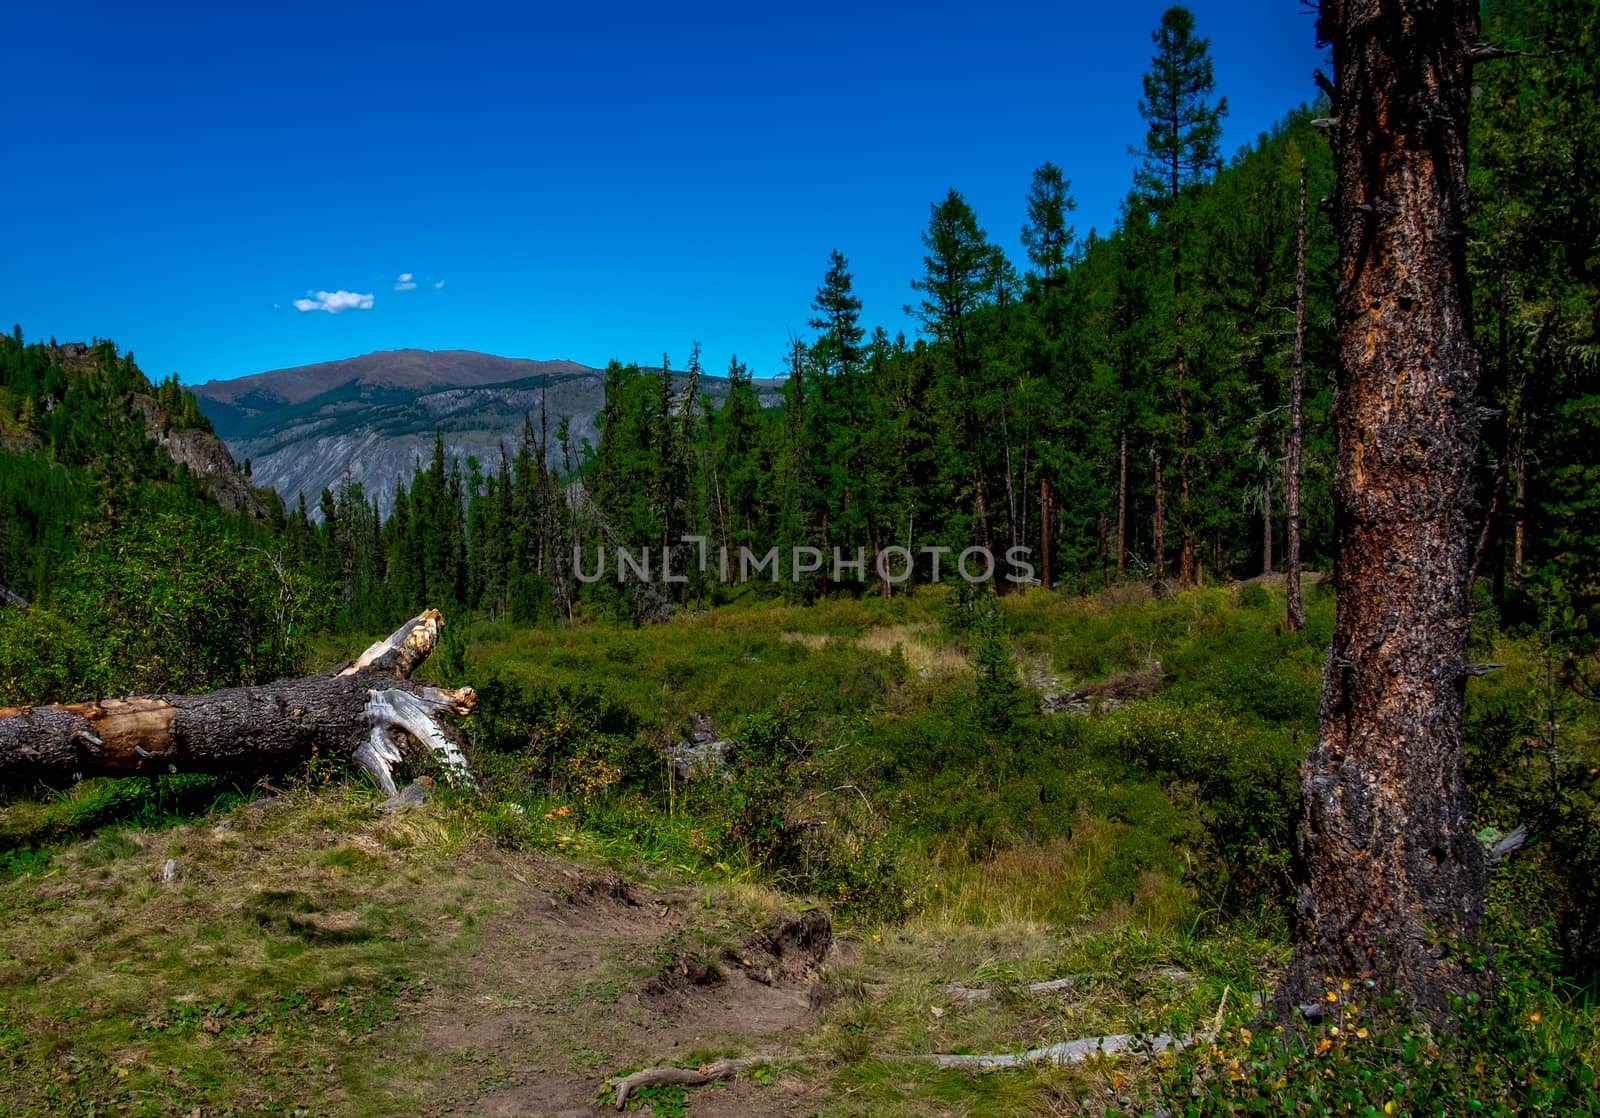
x=438, y=285
x=334, y=301
x=405, y=282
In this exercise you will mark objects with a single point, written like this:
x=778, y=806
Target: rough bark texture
x=1266, y=527
x=1394, y=878
x=249, y=731
x=1297, y=392
x=1045, y=514
x=1158, y=523
x=1122, y=501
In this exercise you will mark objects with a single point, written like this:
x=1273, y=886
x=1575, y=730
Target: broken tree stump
x=362, y=712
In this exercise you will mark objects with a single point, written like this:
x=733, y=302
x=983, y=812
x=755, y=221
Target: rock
x=417, y=792
x=169, y=872
x=203, y=453
x=703, y=753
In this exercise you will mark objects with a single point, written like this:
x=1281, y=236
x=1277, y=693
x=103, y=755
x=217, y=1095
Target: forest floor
x=300, y=951
x=313, y=955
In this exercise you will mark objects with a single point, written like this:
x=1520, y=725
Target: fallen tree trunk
x=361, y=712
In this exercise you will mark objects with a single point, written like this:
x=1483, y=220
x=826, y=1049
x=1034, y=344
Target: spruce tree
x=1047, y=236
x=1181, y=142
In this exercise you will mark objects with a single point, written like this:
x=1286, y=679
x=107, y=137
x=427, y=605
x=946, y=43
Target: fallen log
x=362, y=712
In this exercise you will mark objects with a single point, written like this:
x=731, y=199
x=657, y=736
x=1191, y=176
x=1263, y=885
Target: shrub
x=165, y=603
x=1243, y=783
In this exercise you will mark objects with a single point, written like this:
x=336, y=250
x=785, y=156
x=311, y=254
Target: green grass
x=951, y=852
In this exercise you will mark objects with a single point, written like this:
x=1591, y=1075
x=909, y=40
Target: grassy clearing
x=957, y=839
x=258, y=980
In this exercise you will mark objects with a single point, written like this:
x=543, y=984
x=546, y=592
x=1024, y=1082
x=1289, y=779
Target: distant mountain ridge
x=374, y=416
x=397, y=368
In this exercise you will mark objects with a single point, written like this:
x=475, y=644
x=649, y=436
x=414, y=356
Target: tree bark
x=1394, y=878
x=1122, y=503
x=1158, y=524
x=1045, y=513
x=1297, y=391
x=358, y=712
x=1266, y=527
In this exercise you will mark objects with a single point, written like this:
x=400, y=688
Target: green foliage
x=1002, y=702
x=1366, y=1057
x=1184, y=129
x=45, y=658
x=166, y=603
x=1243, y=782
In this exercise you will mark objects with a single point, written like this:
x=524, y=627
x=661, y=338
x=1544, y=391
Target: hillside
x=84, y=433
x=375, y=416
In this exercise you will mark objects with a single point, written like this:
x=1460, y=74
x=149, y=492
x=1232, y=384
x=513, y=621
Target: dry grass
x=925, y=654
x=1054, y=883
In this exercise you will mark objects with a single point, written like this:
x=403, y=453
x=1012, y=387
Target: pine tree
x=1047, y=236
x=1180, y=146
x=1393, y=871
x=959, y=279
x=837, y=319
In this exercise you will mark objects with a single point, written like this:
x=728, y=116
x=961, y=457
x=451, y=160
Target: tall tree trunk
x=1122, y=502
x=1012, y=520
x=981, y=490
x=1486, y=535
x=1158, y=523
x=1394, y=877
x=1266, y=528
x=1185, y=528
x=1045, y=515
x=1519, y=529
x=1297, y=392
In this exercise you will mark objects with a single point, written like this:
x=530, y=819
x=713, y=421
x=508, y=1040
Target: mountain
x=374, y=416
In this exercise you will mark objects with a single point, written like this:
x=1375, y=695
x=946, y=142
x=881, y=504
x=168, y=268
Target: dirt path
x=579, y=974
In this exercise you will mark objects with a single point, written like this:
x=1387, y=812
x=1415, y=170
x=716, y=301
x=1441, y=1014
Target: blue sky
x=585, y=181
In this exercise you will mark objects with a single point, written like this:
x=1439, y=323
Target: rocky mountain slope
x=374, y=416
x=200, y=450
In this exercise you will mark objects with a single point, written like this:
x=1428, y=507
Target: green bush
x=1243, y=783
x=167, y=603
x=44, y=658
x=1252, y=595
